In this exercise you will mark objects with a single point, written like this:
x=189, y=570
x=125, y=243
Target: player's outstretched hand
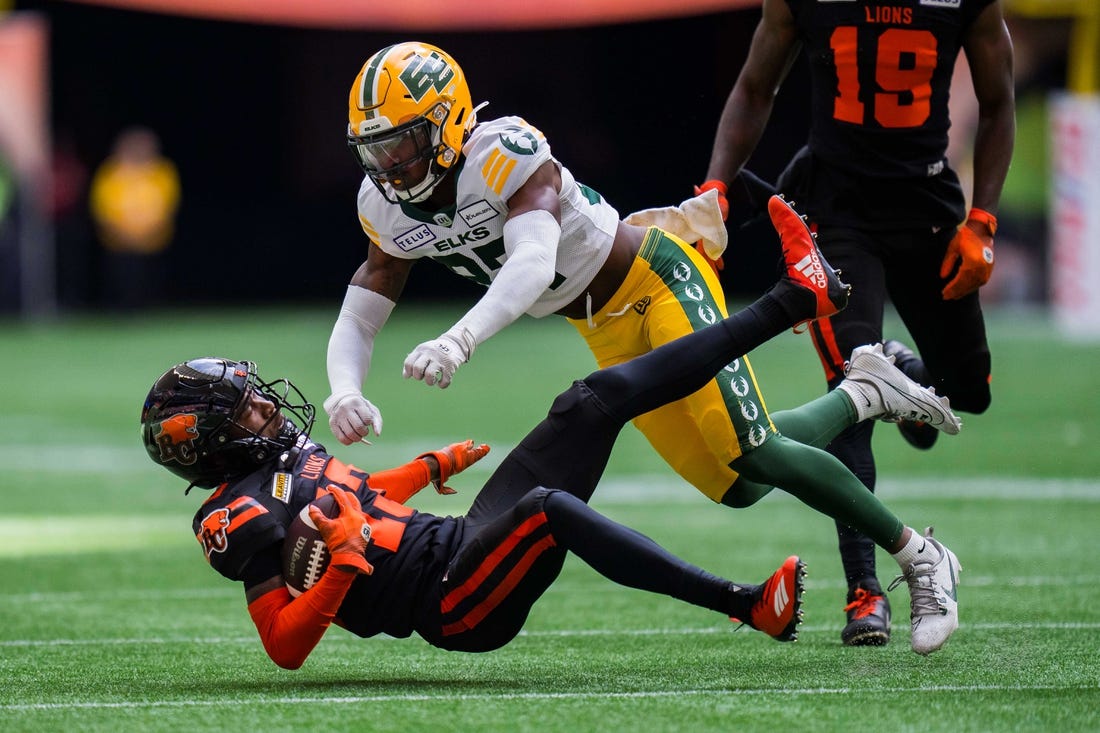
x=455, y=458
x=351, y=417
x=346, y=534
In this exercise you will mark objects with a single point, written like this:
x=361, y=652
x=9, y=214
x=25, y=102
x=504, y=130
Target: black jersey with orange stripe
x=245, y=517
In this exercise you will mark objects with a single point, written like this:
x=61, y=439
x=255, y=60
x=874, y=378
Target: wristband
x=719, y=186
x=985, y=218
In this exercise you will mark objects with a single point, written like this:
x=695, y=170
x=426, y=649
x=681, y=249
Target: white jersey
x=468, y=239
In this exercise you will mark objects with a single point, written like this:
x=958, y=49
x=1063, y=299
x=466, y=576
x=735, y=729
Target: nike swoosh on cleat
x=951, y=592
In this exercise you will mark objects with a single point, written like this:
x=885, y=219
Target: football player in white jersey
x=490, y=202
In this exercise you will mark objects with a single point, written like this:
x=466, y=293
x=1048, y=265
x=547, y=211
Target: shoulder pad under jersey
x=502, y=154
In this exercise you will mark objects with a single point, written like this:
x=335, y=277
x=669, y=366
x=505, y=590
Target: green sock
x=816, y=423
x=819, y=480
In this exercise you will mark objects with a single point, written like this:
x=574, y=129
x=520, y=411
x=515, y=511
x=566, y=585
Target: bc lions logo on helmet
x=212, y=532
x=176, y=438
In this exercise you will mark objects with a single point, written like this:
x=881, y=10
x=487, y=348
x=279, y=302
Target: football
x=305, y=555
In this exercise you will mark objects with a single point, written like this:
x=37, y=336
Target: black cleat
x=868, y=619
x=918, y=434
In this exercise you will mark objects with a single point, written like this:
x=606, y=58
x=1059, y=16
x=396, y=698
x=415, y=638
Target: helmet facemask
x=391, y=156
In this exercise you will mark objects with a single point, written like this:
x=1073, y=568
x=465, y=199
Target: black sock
x=739, y=600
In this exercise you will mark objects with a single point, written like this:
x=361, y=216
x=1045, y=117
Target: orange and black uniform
x=875, y=180
x=468, y=583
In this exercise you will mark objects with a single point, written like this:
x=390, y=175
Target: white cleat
x=933, y=600
x=879, y=390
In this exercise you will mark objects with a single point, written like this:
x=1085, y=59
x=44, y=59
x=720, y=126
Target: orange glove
x=455, y=458
x=971, y=251
x=724, y=206
x=723, y=191
x=346, y=534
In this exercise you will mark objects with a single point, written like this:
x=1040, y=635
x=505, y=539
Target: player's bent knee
x=974, y=402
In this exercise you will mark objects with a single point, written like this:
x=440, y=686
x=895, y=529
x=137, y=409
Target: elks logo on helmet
x=424, y=73
x=176, y=438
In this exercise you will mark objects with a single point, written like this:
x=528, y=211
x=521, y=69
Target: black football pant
x=533, y=509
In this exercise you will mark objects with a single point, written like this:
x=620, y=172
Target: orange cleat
x=778, y=607
x=805, y=265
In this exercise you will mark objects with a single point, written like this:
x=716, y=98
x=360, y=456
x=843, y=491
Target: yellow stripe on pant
x=669, y=292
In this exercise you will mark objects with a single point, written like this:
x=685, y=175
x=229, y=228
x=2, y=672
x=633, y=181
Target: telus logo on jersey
x=414, y=238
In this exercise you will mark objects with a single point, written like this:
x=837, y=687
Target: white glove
x=436, y=361
x=351, y=417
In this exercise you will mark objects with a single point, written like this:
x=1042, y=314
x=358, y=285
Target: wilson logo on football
x=176, y=438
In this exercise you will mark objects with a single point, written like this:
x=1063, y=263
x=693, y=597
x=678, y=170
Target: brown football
x=305, y=555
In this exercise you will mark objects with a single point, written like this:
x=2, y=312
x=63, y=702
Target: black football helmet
x=188, y=422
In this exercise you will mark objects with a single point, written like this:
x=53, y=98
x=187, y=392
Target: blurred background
x=237, y=113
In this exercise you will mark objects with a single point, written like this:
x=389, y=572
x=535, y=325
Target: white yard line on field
x=785, y=692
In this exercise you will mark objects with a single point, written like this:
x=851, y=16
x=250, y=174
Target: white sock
x=863, y=397
x=917, y=548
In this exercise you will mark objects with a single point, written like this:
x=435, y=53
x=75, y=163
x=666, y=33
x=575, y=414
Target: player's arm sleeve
x=402, y=483
x=291, y=627
x=531, y=241
x=351, y=344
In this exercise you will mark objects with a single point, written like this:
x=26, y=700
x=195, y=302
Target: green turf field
x=111, y=620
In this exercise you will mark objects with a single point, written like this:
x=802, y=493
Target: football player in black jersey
x=468, y=583
x=889, y=210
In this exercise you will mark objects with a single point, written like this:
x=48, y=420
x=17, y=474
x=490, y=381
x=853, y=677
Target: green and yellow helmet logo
x=426, y=73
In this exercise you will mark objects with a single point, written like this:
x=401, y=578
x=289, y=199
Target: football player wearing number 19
x=468, y=583
x=889, y=211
